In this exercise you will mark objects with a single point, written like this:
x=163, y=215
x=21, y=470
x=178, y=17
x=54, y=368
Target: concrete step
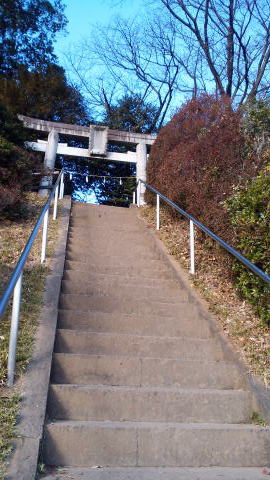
x=144, y=271
x=103, y=216
x=148, y=473
x=92, y=278
x=127, y=370
x=128, y=257
x=85, y=303
x=138, y=245
x=139, y=239
x=110, y=230
x=109, y=288
x=129, y=261
x=108, y=220
x=82, y=206
x=120, y=249
x=155, y=444
x=76, y=402
x=101, y=211
x=189, y=325
x=104, y=213
x=114, y=248
x=74, y=341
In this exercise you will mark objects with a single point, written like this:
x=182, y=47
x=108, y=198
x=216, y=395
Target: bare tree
x=232, y=38
x=181, y=49
x=134, y=59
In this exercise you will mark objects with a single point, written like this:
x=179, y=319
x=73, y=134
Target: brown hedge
x=198, y=157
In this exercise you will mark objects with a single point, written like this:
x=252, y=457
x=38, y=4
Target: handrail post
x=158, y=211
x=55, y=202
x=15, y=317
x=139, y=194
x=191, y=247
x=62, y=186
x=44, y=236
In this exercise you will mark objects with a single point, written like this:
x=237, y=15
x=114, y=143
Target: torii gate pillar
x=141, y=151
x=49, y=162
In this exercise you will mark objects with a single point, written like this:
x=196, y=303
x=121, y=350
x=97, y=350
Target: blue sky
x=84, y=14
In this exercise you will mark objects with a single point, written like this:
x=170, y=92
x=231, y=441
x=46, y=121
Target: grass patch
x=8, y=409
x=258, y=420
x=214, y=280
x=13, y=237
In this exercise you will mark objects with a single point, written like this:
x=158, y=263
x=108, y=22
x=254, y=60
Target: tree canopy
x=31, y=83
x=44, y=94
x=130, y=113
x=178, y=49
x=27, y=32
x=113, y=184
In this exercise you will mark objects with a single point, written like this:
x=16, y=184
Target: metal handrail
x=15, y=282
x=263, y=275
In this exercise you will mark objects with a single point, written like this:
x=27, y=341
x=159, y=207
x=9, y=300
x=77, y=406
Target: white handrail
x=193, y=221
x=15, y=282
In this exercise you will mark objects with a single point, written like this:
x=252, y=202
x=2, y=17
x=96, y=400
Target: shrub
x=249, y=212
x=198, y=157
x=213, y=162
x=15, y=162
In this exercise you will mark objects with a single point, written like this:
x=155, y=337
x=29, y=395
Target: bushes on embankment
x=207, y=160
x=16, y=163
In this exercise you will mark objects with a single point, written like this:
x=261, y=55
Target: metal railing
x=15, y=282
x=193, y=221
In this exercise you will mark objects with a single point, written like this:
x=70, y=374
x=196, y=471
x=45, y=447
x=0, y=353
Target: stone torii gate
x=98, y=136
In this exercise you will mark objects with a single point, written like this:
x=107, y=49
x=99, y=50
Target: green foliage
x=27, y=31
x=132, y=114
x=257, y=419
x=8, y=410
x=112, y=192
x=44, y=93
x=15, y=162
x=256, y=117
x=199, y=157
x=249, y=211
x=31, y=83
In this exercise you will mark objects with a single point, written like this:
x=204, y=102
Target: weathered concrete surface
x=260, y=391
x=161, y=293
x=156, y=270
x=87, y=279
x=214, y=473
x=82, y=131
x=141, y=376
x=115, y=370
x=36, y=380
x=155, y=404
x=137, y=324
x=147, y=444
x=72, y=341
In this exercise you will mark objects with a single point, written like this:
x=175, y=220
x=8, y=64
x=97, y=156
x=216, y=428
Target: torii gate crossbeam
x=98, y=136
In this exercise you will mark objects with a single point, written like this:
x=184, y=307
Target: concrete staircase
x=138, y=379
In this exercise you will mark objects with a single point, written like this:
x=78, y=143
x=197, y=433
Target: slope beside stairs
x=140, y=386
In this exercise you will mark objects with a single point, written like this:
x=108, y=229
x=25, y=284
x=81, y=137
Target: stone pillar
x=49, y=162
x=141, y=151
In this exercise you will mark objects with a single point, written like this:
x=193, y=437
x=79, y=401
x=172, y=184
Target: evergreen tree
x=16, y=164
x=44, y=94
x=31, y=83
x=132, y=114
x=27, y=31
